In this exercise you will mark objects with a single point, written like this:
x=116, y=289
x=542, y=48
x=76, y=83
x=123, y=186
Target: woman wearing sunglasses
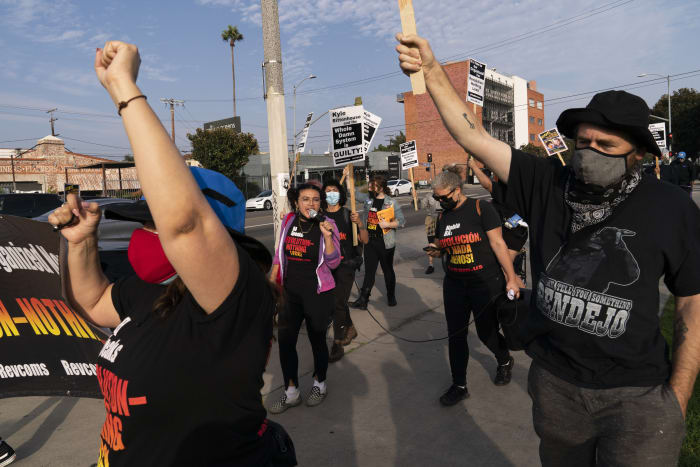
x=468, y=235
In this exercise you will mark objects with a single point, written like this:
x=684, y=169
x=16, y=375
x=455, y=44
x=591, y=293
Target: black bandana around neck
x=592, y=205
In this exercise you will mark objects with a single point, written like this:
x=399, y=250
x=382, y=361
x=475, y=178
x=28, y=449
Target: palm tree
x=232, y=35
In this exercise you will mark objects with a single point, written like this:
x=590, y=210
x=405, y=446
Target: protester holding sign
x=351, y=260
x=307, y=252
x=382, y=240
x=182, y=372
x=604, y=389
x=468, y=235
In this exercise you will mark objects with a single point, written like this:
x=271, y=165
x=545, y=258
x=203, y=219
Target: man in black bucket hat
x=603, y=386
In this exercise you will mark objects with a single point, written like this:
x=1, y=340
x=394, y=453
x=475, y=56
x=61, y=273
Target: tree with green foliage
x=394, y=143
x=232, y=35
x=223, y=149
x=685, y=118
x=535, y=149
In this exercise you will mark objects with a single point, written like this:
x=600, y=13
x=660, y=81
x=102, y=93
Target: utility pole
x=172, y=102
x=276, y=118
x=51, y=120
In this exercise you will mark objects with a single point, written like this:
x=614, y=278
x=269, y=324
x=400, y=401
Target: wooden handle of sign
x=413, y=188
x=351, y=188
x=294, y=171
x=658, y=174
x=408, y=25
x=561, y=159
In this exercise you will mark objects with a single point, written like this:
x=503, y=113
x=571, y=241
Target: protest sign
x=371, y=124
x=409, y=155
x=347, y=128
x=305, y=133
x=552, y=141
x=476, y=82
x=658, y=131
x=46, y=348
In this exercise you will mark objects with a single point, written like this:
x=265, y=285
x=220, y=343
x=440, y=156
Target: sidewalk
x=382, y=406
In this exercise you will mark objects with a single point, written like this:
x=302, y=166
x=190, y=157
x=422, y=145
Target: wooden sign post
x=350, y=179
x=658, y=170
x=561, y=159
x=408, y=25
x=413, y=188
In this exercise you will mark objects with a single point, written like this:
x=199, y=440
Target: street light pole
x=311, y=76
x=668, y=96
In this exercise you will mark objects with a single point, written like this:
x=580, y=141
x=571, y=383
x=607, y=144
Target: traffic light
x=670, y=139
x=430, y=157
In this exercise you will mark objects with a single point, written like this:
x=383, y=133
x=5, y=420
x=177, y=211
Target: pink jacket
x=326, y=263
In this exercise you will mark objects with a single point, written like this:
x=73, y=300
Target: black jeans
x=626, y=426
x=375, y=254
x=316, y=309
x=460, y=302
x=344, y=277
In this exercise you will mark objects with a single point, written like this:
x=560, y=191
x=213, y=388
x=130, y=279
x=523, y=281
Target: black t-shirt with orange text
x=373, y=228
x=461, y=233
x=185, y=389
x=301, y=250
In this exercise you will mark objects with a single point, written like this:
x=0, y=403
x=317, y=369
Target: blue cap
x=224, y=197
x=681, y=155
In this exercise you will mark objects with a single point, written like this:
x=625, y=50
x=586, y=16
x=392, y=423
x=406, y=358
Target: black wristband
x=122, y=105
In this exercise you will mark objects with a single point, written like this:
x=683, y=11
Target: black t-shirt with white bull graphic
x=595, y=314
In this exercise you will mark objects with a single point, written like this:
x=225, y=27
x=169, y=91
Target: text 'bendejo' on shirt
x=185, y=389
x=595, y=319
x=462, y=235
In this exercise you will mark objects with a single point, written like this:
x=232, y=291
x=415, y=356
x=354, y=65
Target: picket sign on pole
x=408, y=26
x=553, y=143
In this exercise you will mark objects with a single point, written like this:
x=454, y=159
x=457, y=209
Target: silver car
x=112, y=234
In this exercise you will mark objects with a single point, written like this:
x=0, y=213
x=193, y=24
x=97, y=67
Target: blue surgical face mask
x=332, y=198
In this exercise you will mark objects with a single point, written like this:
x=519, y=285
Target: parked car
x=399, y=187
x=113, y=234
x=262, y=201
x=28, y=204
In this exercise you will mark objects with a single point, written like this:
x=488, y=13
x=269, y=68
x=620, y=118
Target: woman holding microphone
x=182, y=372
x=469, y=235
x=307, y=253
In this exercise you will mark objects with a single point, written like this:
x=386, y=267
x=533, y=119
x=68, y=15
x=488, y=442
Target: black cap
x=617, y=110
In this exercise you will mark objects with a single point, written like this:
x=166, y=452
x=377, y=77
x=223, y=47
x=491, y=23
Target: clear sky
x=568, y=46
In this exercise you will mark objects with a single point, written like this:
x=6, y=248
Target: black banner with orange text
x=46, y=348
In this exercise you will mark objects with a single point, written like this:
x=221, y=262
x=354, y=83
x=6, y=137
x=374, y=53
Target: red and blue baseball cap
x=225, y=199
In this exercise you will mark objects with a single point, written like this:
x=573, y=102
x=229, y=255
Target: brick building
x=506, y=115
x=48, y=166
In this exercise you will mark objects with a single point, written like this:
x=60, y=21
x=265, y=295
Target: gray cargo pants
x=628, y=426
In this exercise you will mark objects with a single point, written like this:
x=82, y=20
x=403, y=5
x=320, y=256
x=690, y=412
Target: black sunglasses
x=443, y=197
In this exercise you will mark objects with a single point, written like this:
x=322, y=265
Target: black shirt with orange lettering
x=461, y=234
x=373, y=229
x=301, y=249
x=185, y=389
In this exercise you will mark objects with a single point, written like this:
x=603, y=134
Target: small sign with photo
x=552, y=141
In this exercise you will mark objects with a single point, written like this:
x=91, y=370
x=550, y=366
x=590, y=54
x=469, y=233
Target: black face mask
x=372, y=194
x=448, y=204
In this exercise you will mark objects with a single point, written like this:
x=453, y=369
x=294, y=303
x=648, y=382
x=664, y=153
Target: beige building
x=48, y=166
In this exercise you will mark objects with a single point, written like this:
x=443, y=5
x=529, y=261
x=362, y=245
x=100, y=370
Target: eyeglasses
x=443, y=197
